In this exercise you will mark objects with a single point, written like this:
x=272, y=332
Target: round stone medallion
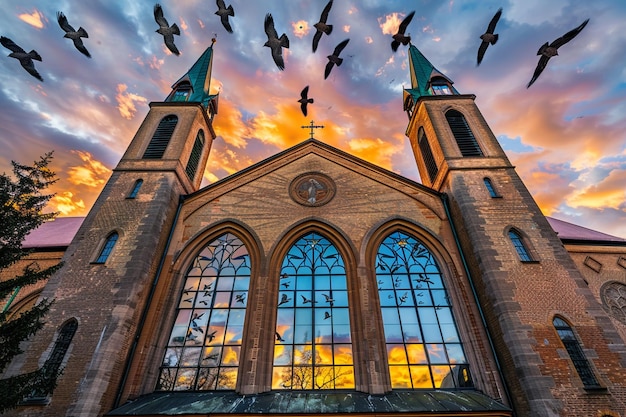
x=312, y=189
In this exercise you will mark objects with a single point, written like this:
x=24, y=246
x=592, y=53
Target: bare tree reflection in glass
x=313, y=344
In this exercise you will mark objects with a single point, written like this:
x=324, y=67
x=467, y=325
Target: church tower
x=557, y=348
x=110, y=267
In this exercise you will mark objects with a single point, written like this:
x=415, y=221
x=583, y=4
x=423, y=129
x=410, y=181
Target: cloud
x=92, y=173
x=126, y=101
x=34, y=19
x=66, y=204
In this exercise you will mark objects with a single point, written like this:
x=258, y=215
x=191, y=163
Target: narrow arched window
x=424, y=349
x=52, y=366
x=161, y=138
x=313, y=343
x=196, y=154
x=427, y=155
x=204, y=348
x=575, y=352
x=135, y=190
x=490, y=188
x=519, y=245
x=107, y=248
x=462, y=134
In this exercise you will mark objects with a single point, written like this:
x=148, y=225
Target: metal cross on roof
x=312, y=126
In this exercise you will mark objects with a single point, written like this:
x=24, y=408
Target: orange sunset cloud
x=34, y=19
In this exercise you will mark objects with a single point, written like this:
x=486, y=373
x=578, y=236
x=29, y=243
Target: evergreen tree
x=21, y=206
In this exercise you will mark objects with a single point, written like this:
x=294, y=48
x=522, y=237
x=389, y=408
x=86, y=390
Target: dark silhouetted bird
x=166, y=30
x=327, y=315
x=284, y=299
x=334, y=58
x=74, y=35
x=275, y=43
x=400, y=37
x=304, y=99
x=25, y=58
x=278, y=337
x=321, y=26
x=223, y=12
x=211, y=336
x=547, y=51
x=489, y=37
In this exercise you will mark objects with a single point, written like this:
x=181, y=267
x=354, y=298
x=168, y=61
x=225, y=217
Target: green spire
x=424, y=76
x=194, y=85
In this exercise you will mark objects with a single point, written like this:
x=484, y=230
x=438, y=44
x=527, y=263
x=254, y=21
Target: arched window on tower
x=490, y=188
x=196, y=154
x=576, y=354
x=427, y=155
x=52, y=366
x=423, y=345
x=520, y=247
x=462, y=133
x=161, y=138
x=204, y=348
x=107, y=248
x=313, y=344
x=135, y=190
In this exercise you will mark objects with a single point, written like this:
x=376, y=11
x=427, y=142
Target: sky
x=566, y=134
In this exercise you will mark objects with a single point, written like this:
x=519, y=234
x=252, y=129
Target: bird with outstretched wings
x=166, y=30
x=489, y=38
x=547, y=51
x=322, y=27
x=25, y=58
x=334, y=58
x=304, y=100
x=74, y=35
x=400, y=37
x=223, y=12
x=275, y=43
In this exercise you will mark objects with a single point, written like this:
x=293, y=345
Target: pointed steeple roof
x=424, y=75
x=194, y=85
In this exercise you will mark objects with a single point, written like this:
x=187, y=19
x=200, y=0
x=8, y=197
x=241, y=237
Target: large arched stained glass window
x=313, y=345
x=204, y=347
x=423, y=346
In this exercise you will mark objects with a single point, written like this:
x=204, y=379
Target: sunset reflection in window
x=204, y=347
x=423, y=346
x=313, y=345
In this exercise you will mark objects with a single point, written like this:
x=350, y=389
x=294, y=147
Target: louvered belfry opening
x=464, y=137
x=427, y=155
x=161, y=138
x=196, y=153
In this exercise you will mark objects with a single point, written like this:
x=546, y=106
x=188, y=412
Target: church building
x=317, y=283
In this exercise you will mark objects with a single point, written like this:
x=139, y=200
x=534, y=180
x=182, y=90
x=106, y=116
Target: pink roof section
x=61, y=231
x=55, y=233
x=570, y=231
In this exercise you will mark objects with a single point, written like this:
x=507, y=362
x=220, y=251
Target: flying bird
x=304, y=99
x=321, y=26
x=166, y=30
x=327, y=315
x=334, y=58
x=223, y=12
x=488, y=37
x=548, y=51
x=26, y=59
x=279, y=337
x=275, y=43
x=284, y=299
x=74, y=35
x=400, y=37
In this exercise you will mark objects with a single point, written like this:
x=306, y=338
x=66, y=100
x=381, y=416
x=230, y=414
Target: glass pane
x=416, y=314
x=211, y=313
x=312, y=319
